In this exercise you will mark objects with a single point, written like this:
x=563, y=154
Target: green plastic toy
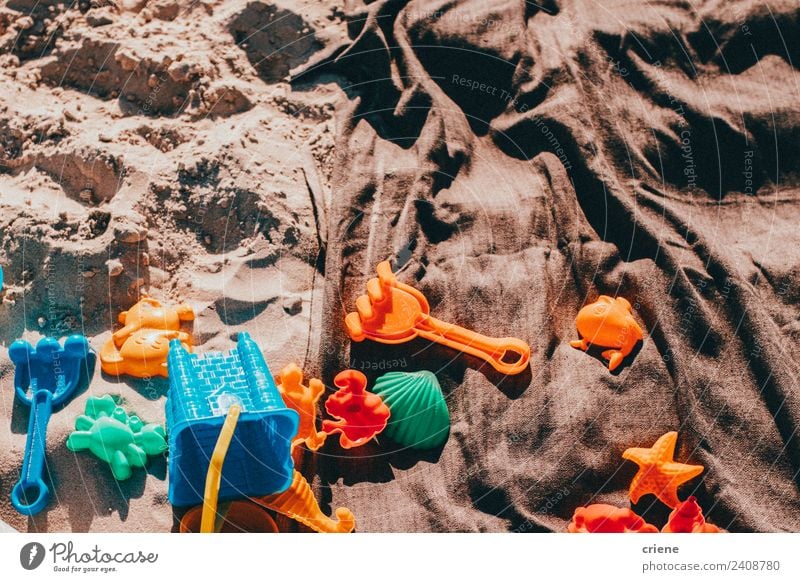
x=420, y=419
x=112, y=435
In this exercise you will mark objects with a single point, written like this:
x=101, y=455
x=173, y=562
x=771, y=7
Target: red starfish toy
x=360, y=414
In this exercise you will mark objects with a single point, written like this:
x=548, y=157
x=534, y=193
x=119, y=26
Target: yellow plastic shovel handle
x=214, y=476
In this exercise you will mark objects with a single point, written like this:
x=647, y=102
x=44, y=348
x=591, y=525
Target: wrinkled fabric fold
x=515, y=162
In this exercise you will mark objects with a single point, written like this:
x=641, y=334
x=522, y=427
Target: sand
x=155, y=147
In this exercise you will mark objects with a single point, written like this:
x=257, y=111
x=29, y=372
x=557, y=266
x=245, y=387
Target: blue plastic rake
x=45, y=377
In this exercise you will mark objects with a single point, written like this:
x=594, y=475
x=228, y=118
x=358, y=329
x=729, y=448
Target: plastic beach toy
x=202, y=389
x=688, y=518
x=360, y=414
x=298, y=503
x=419, y=415
x=658, y=473
x=140, y=348
x=52, y=375
x=304, y=400
x=602, y=518
x=233, y=517
x=121, y=440
x=608, y=322
x=214, y=475
x=392, y=313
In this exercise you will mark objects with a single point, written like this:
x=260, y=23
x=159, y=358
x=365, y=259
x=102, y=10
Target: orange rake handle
x=491, y=349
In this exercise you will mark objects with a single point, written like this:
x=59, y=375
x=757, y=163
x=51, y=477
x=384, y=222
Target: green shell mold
x=420, y=419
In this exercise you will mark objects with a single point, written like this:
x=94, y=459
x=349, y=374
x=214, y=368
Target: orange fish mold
x=609, y=323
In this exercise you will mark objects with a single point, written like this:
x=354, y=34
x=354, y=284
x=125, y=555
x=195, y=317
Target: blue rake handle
x=30, y=495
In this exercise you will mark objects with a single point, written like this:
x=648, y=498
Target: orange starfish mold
x=688, y=518
x=602, y=518
x=608, y=322
x=360, y=414
x=140, y=348
x=304, y=400
x=392, y=312
x=658, y=473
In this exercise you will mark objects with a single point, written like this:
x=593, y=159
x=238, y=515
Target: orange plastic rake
x=392, y=312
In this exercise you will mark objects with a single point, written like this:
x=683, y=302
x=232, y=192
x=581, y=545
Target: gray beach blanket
x=517, y=160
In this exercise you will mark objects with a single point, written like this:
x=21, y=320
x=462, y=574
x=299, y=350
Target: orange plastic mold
x=608, y=322
x=360, y=414
x=298, y=503
x=688, y=518
x=602, y=518
x=140, y=348
x=392, y=312
x=658, y=473
x=233, y=517
x=304, y=400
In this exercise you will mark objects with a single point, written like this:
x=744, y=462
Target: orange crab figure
x=608, y=322
x=140, y=348
x=361, y=415
x=602, y=518
x=658, y=473
x=304, y=400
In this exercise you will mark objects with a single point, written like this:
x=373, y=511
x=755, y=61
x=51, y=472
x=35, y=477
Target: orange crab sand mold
x=141, y=347
x=602, y=518
x=658, y=473
x=360, y=415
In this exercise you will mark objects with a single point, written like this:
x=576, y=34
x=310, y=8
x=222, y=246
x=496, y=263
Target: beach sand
x=143, y=151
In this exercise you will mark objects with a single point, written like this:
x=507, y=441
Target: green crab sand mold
x=111, y=434
x=420, y=419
